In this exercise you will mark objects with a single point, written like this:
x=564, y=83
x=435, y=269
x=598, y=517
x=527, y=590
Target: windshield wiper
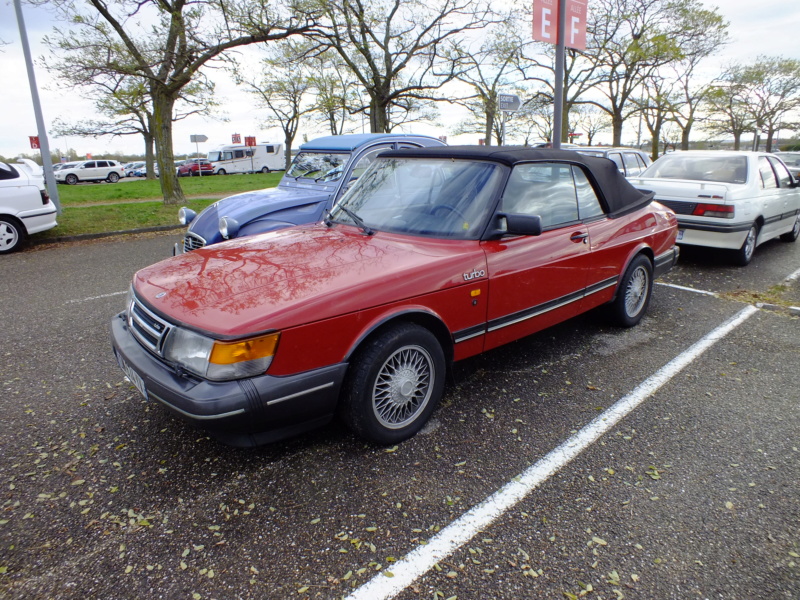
x=357, y=220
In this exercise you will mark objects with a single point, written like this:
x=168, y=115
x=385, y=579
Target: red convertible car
x=434, y=255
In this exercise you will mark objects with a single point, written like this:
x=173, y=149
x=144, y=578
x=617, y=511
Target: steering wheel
x=449, y=208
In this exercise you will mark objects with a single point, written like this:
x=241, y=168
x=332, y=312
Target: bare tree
x=125, y=104
x=591, y=121
x=631, y=39
x=728, y=108
x=398, y=49
x=490, y=70
x=165, y=42
x=282, y=88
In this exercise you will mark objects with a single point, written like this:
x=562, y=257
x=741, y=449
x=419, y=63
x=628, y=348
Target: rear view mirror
x=515, y=224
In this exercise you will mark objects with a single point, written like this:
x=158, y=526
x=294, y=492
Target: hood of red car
x=300, y=275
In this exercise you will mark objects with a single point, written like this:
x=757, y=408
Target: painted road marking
x=688, y=289
x=96, y=297
x=481, y=516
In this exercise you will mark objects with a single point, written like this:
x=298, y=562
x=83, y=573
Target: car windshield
x=721, y=169
x=444, y=198
x=320, y=166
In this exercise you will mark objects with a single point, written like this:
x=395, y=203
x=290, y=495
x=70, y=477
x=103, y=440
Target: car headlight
x=186, y=215
x=220, y=360
x=228, y=227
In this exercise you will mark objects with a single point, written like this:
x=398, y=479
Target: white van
x=247, y=159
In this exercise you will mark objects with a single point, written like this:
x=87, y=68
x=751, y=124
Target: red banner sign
x=34, y=141
x=249, y=141
x=236, y=139
x=545, y=22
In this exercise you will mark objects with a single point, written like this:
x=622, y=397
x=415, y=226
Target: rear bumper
x=664, y=262
x=727, y=236
x=244, y=412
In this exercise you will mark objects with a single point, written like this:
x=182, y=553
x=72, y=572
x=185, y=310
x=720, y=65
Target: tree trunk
x=162, y=131
x=149, y=154
x=379, y=116
x=737, y=140
x=616, y=127
x=487, y=132
x=685, y=135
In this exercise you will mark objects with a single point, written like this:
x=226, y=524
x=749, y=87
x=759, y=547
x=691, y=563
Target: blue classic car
x=320, y=173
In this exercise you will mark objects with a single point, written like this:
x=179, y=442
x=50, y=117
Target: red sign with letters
x=250, y=140
x=34, y=141
x=236, y=139
x=545, y=22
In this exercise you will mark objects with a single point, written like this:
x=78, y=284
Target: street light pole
x=44, y=145
x=558, y=99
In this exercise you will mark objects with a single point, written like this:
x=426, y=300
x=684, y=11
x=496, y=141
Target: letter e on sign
x=545, y=20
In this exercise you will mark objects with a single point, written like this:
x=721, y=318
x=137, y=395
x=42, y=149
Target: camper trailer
x=238, y=158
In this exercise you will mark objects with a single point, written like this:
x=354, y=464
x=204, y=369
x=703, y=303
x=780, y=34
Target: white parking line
x=96, y=297
x=688, y=289
x=793, y=276
x=459, y=532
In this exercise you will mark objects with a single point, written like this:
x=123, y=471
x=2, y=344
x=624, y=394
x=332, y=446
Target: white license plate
x=132, y=376
x=680, y=234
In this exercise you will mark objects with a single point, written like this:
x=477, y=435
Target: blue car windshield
x=443, y=198
x=319, y=166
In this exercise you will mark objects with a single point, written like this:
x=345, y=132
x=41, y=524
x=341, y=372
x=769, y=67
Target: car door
x=770, y=199
x=537, y=281
x=633, y=164
x=789, y=194
x=87, y=170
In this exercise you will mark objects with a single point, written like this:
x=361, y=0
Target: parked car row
x=90, y=170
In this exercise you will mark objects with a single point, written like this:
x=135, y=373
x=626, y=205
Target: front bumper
x=243, y=412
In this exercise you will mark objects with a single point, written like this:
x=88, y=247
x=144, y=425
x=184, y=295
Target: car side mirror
x=515, y=224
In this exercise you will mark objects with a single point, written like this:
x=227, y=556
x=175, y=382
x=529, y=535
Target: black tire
x=12, y=235
x=190, y=173
x=71, y=179
x=221, y=172
x=265, y=170
x=744, y=255
x=633, y=294
x=792, y=235
x=395, y=382
x=112, y=177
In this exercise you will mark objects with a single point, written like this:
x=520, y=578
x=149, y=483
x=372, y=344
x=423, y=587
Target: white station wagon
x=726, y=199
x=91, y=170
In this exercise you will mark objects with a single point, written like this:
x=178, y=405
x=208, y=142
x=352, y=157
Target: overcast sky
x=763, y=27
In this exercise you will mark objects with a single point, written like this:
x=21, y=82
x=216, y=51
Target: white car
x=25, y=207
x=732, y=200
x=91, y=170
x=630, y=161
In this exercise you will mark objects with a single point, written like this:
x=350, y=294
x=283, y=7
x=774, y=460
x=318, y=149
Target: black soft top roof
x=619, y=196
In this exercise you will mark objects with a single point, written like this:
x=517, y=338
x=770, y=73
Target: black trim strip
x=601, y=285
x=715, y=228
x=535, y=311
x=469, y=333
x=44, y=214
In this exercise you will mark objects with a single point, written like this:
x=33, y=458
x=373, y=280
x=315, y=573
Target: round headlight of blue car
x=228, y=227
x=186, y=215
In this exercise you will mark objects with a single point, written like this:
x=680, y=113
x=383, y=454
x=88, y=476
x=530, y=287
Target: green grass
x=104, y=207
x=142, y=189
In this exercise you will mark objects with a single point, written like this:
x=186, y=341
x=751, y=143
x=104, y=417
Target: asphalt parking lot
x=660, y=462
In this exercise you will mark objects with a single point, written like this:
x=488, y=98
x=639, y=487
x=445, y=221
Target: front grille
x=150, y=330
x=679, y=207
x=192, y=241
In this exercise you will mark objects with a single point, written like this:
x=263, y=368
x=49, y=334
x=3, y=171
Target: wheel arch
x=417, y=316
x=642, y=249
